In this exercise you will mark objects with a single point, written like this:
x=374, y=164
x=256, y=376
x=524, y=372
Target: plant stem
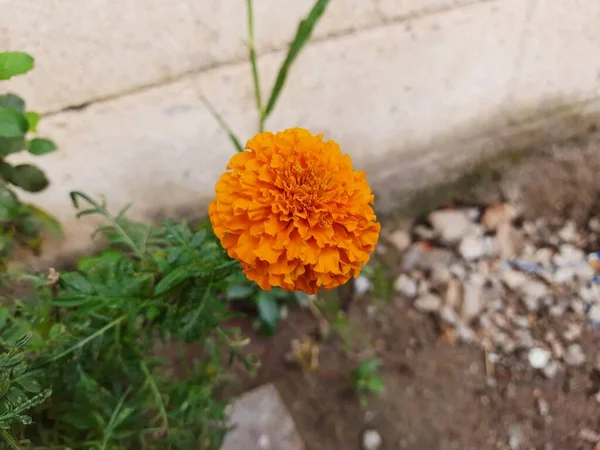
x=154, y=388
x=252, y=51
x=9, y=439
x=84, y=341
x=213, y=112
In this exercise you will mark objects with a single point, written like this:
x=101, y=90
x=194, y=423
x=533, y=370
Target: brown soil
x=437, y=393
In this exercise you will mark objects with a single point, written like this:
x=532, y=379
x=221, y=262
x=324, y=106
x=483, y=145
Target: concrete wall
x=412, y=89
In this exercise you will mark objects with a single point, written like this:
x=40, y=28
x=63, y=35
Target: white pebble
x=406, y=286
x=371, y=440
x=538, y=357
x=362, y=285
x=428, y=303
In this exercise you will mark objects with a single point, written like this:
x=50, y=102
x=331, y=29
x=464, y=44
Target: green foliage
x=267, y=304
x=94, y=333
x=366, y=380
x=303, y=34
x=20, y=223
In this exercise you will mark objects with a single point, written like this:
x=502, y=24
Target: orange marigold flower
x=294, y=212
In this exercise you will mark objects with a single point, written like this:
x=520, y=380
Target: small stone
x=534, y=289
x=424, y=232
x=531, y=303
x=574, y=355
x=472, y=301
x=371, y=440
x=594, y=314
x=454, y=294
x=572, y=332
x=400, y=239
x=473, y=247
x=465, y=334
x=594, y=224
x=451, y=224
x=422, y=256
x=406, y=286
x=538, y=357
x=448, y=315
x=515, y=436
x=521, y=321
x=459, y=271
x=371, y=311
x=524, y=338
x=440, y=275
x=362, y=285
x=589, y=435
x=551, y=369
x=543, y=407
x=514, y=279
x=428, y=303
x=543, y=256
x=264, y=443
x=496, y=214
x=568, y=233
x=557, y=310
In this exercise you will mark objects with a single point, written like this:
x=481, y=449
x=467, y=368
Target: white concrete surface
x=412, y=90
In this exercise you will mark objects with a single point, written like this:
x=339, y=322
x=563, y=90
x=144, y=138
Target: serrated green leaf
x=29, y=178
x=41, y=146
x=77, y=282
x=171, y=280
x=33, y=119
x=14, y=63
x=198, y=238
x=13, y=123
x=12, y=101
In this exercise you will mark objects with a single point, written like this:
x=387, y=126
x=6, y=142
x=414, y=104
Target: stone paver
x=262, y=423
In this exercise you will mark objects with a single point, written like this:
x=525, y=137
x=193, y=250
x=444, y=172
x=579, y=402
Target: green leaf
x=30, y=384
x=375, y=384
x=14, y=63
x=303, y=34
x=77, y=282
x=268, y=311
x=198, y=238
x=29, y=178
x=6, y=171
x=46, y=219
x=13, y=123
x=172, y=280
x=33, y=119
x=239, y=291
x=11, y=145
x=16, y=396
x=12, y=101
x=41, y=146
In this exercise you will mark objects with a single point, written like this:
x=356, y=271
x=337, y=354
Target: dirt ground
x=437, y=394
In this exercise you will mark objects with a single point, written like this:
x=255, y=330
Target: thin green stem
x=9, y=439
x=253, y=64
x=154, y=388
x=213, y=112
x=111, y=423
x=83, y=341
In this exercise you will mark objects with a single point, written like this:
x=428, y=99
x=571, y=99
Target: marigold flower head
x=294, y=212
